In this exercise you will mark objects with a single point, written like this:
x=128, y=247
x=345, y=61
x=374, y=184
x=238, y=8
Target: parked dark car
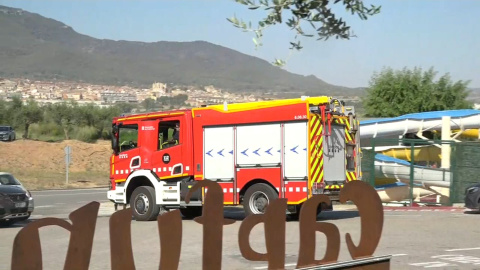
x=472, y=197
x=7, y=133
x=16, y=202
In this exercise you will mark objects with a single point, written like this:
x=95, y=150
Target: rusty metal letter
x=170, y=231
x=308, y=226
x=212, y=221
x=27, y=251
x=274, y=224
x=371, y=215
x=121, y=240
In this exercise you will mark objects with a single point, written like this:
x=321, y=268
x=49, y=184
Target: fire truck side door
x=128, y=157
x=167, y=159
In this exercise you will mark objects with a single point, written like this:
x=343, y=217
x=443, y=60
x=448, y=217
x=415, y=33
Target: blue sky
x=407, y=33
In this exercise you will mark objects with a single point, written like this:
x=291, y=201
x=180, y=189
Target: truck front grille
x=17, y=197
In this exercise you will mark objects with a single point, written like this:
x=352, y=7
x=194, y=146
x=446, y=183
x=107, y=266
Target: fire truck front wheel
x=143, y=204
x=257, y=198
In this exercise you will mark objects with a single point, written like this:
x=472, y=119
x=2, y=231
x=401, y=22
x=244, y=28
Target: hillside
x=44, y=167
x=36, y=47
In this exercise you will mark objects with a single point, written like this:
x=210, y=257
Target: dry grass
x=37, y=180
x=41, y=165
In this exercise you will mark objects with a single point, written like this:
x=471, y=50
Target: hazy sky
x=407, y=33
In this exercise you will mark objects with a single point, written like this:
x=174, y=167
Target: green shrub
x=85, y=134
x=46, y=131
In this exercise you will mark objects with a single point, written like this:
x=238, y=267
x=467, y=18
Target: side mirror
x=115, y=139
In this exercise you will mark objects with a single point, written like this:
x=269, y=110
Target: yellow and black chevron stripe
x=334, y=186
x=316, y=150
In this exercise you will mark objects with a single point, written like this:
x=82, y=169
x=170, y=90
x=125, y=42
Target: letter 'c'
x=370, y=209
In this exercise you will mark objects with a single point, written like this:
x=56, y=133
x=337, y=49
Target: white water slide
x=393, y=168
x=445, y=121
x=415, y=122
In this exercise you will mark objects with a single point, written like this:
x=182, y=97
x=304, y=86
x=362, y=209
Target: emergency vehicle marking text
x=148, y=128
x=123, y=156
x=301, y=116
x=334, y=149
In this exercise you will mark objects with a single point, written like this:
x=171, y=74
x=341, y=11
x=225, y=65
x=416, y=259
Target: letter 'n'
x=27, y=250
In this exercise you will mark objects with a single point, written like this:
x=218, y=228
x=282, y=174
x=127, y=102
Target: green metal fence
x=422, y=167
x=465, y=168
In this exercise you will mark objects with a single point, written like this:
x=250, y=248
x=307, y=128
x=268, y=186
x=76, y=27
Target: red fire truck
x=256, y=152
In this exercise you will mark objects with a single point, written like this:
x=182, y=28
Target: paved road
x=416, y=240
x=59, y=203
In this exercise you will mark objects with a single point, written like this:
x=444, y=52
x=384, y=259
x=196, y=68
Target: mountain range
x=33, y=46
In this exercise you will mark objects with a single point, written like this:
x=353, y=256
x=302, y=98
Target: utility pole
x=68, y=153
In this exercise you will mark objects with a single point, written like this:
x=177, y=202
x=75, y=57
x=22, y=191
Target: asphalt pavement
x=60, y=203
x=415, y=239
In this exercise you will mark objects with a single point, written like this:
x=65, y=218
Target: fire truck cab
x=257, y=152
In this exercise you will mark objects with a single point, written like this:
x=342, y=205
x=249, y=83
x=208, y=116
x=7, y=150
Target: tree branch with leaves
x=316, y=13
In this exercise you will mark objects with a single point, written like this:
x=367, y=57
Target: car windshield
x=4, y=128
x=8, y=179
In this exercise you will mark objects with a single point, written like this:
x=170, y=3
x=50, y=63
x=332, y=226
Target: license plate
x=20, y=204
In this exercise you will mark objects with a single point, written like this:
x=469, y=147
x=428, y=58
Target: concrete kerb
x=107, y=208
x=68, y=189
x=389, y=208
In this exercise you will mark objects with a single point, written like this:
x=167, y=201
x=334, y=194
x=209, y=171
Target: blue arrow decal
x=278, y=151
x=244, y=152
x=208, y=153
x=294, y=149
x=304, y=149
x=220, y=152
x=256, y=152
x=231, y=152
x=268, y=151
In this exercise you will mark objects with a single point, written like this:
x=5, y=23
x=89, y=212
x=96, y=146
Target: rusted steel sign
x=27, y=252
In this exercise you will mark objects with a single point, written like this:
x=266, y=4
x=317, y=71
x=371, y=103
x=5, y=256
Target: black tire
x=191, y=212
x=257, y=198
x=321, y=207
x=143, y=204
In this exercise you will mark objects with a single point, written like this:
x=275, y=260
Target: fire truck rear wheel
x=143, y=204
x=257, y=198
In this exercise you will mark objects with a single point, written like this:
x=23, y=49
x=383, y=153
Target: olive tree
x=296, y=14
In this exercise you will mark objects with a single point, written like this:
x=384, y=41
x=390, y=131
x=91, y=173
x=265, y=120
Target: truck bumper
x=116, y=196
